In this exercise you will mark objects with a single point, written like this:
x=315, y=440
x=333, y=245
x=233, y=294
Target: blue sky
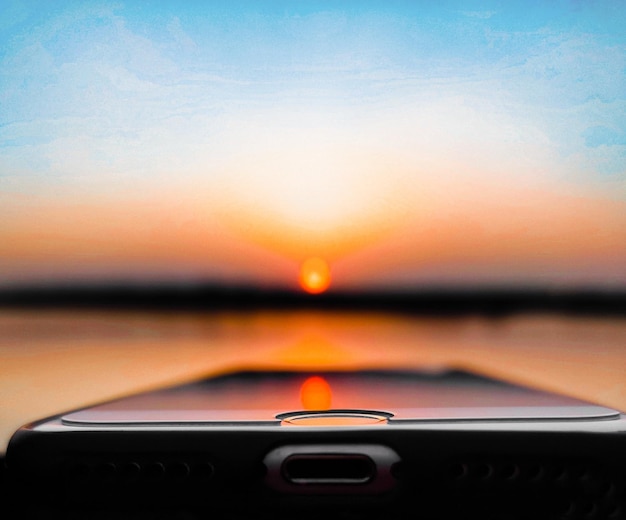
x=126, y=101
x=558, y=65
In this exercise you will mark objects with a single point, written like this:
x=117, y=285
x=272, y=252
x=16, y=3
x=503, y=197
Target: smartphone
x=438, y=443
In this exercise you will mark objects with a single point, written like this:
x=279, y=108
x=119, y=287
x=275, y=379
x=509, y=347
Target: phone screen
x=292, y=398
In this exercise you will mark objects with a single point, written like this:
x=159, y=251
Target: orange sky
x=523, y=236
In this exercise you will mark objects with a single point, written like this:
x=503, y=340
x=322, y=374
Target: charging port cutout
x=326, y=469
x=341, y=468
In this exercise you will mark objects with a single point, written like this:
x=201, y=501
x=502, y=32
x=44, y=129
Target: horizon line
x=433, y=299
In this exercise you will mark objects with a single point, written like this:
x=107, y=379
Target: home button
x=334, y=418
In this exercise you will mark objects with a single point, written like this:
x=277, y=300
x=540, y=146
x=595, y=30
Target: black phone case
x=515, y=469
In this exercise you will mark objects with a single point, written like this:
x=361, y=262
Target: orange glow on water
x=315, y=394
x=315, y=275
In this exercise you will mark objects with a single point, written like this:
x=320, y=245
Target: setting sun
x=315, y=394
x=315, y=275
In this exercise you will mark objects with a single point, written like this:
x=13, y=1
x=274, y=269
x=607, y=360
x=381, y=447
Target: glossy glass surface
x=262, y=397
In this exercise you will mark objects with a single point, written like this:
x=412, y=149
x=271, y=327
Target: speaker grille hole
x=482, y=470
x=508, y=471
x=202, y=470
x=177, y=470
x=457, y=471
x=105, y=471
x=535, y=472
x=129, y=470
x=154, y=471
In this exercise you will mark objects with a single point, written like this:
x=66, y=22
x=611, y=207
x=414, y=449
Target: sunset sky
x=407, y=144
